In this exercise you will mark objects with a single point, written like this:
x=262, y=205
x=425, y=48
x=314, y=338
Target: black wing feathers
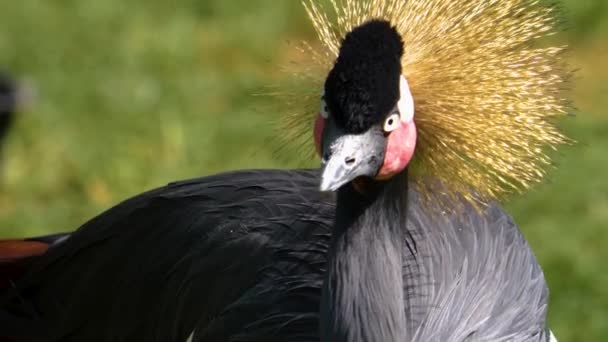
x=241, y=256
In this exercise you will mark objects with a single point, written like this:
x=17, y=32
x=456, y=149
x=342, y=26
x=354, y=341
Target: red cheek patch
x=399, y=150
x=318, y=132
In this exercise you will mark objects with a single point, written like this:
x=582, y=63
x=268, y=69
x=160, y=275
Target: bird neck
x=362, y=297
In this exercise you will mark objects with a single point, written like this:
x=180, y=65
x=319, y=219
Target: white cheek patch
x=406, y=101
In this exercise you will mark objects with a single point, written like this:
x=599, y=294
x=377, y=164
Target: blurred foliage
x=585, y=19
x=130, y=95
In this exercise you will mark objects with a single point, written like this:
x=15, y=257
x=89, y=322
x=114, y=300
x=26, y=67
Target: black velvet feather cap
x=363, y=86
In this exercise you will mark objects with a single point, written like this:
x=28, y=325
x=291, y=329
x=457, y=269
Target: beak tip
x=324, y=187
x=328, y=185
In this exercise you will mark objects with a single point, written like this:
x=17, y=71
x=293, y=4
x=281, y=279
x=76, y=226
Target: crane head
x=7, y=94
x=8, y=102
x=365, y=127
x=487, y=95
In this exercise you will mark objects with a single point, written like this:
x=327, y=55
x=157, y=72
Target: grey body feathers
x=486, y=282
x=241, y=257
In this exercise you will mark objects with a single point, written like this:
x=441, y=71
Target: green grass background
x=130, y=95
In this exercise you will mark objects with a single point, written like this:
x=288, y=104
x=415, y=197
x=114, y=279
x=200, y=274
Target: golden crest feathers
x=486, y=93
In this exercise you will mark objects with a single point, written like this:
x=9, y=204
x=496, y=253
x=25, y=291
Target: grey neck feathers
x=362, y=298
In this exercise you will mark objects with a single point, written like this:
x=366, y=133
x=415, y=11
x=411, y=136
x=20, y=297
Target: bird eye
x=392, y=122
x=324, y=110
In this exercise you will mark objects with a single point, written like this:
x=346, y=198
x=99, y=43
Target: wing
x=241, y=256
x=187, y=253
x=478, y=278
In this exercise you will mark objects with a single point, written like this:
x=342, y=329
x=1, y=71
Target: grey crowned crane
x=397, y=238
x=8, y=102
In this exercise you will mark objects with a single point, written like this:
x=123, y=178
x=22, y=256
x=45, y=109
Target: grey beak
x=346, y=157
